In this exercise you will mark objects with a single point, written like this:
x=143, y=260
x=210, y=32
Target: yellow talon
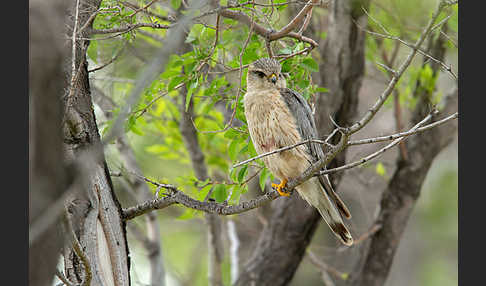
x=280, y=186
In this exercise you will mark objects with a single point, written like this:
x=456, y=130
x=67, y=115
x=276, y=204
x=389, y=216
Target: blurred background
x=427, y=254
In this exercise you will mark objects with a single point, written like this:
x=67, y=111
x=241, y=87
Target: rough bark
x=283, y=241
x=47, y=173
x=399, y=198
x=94, y=212
x=151, y=241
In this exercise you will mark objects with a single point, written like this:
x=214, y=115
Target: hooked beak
x=273, y=78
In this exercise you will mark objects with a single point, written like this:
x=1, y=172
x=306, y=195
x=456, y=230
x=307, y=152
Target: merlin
x=278, y=117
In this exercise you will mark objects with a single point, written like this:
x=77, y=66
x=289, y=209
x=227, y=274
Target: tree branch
x=402, y=134
x=152, y=242
x=174, y=196
x=130, y=27
x=269, y=34
x=374, y=109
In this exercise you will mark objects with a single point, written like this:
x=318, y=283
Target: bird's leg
x=280, y=186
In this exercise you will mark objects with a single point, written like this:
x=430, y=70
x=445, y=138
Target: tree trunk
x=94, y=212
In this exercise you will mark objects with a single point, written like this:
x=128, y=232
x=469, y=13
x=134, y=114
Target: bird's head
x=265, y=73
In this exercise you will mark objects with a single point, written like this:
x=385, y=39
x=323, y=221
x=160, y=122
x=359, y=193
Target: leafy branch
x=174, y=195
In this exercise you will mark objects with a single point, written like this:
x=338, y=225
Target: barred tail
x=314, y=193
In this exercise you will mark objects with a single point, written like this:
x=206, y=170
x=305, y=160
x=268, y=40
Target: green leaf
x=188, y=214
x=93, y=51
x=232, y=149
x=380, y=169
x=174, y=82
x=190, y=90
x=251, y=149
x=235, y=195
x=232, y=174
x=231, y=133
x=202, y=183
x=203, y=192
x=156, y=149
x=220, y=193
x=175, y=4
x=310, y=65
x=322, y=89
x=263, y=178
x=242, y=173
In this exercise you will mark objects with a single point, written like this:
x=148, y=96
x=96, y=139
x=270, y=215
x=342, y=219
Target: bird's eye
x=259, y=73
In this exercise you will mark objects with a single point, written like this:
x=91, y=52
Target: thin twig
x=381, y=100
x=294, y=22
x=454, y=43
x=375, y=154
x=278, y=151
x=373, y=229
x=169, y=18
x=306, y=21
x=73, y=50
x=143, y=110
x=324, y=266
x=402, y=134
x=228, y=125
x=130, y=27
x=142, y=8
x=110, y=61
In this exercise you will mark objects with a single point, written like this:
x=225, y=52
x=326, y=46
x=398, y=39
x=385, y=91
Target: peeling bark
x=95, y=211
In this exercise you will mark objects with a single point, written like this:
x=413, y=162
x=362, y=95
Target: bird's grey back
x=304, y=120
x=307, y=128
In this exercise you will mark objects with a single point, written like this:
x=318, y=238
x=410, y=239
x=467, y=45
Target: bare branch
x=295, y=22
x=357, y=142
x=454, y=42
x=110, y=61
x=130, y=27
x=278, y=151
x=144, y=109
x=73, y=43
x=374, y=109
x=375, y=154
x=323, y=267
x=402, y=134
x=174, y=195
x=267, y=33
x=419, y=50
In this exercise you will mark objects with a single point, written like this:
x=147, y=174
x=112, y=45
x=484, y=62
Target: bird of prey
x=277, y=117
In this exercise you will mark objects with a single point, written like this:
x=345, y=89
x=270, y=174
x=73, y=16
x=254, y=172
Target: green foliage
x=380, y=169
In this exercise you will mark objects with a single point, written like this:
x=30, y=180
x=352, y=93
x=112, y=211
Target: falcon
x=278, y=117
